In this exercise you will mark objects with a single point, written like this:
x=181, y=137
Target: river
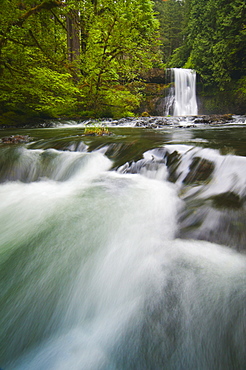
x=125, y=251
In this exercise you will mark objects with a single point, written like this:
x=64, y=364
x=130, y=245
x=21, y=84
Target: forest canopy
x=88, y=57
x=61, y=57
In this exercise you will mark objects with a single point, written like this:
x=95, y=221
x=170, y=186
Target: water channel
x=124, y=251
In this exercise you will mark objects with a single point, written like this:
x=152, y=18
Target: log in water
x=95, y=273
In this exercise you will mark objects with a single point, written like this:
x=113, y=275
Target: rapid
x=124, y=252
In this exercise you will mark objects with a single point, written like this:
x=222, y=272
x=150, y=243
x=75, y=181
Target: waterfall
x=181, y=99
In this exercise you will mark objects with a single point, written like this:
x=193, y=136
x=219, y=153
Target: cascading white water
x=185, y=92
x=93, y=277
x=182, y=98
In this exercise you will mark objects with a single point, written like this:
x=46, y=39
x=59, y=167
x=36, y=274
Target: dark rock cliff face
x=220, y=102
x=155, y=76
x=154, y=102
x=155, y=88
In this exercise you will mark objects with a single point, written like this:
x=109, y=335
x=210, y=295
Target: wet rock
x=227, y=200
x=15, y=139
x=173, y=158
x=154, y=75
x=173, y=161
x=227, y=229
x=214, y=119
x=200, y=170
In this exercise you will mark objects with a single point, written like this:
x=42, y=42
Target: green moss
x=94, y=130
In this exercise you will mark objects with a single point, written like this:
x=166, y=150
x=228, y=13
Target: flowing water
x=124, y=252
x=181, y=99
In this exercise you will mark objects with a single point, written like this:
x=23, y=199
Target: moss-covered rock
x=228, y=199
x=173, y=161
x=200, y=170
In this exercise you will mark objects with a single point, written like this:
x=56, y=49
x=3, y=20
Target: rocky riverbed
x=141, y=121
x=156, y=122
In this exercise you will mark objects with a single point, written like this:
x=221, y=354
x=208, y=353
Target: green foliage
x=33, y=80
x=242, y=85
x=41, y=90
x=116, y=101
x=121, y=42
x=171, y=17
x=240, y=92
x=84, y=57
x=214, y=40
x=118, y=40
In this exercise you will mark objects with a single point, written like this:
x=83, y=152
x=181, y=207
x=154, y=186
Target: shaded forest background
x=94, y=58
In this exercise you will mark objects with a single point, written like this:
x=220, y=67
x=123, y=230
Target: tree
x=214, y=40
x=119, y=40
x=90, y=51
x=73, y=40
x=171, y=17
x=32, y=56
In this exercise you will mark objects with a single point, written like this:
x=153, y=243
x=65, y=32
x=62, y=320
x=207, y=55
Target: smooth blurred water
x=185, y=92
x=93, y=275
x=181, y=99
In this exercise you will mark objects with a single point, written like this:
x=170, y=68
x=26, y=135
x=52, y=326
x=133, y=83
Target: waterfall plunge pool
x=123, y=252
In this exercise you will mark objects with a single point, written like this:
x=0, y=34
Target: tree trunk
x=73, y=40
